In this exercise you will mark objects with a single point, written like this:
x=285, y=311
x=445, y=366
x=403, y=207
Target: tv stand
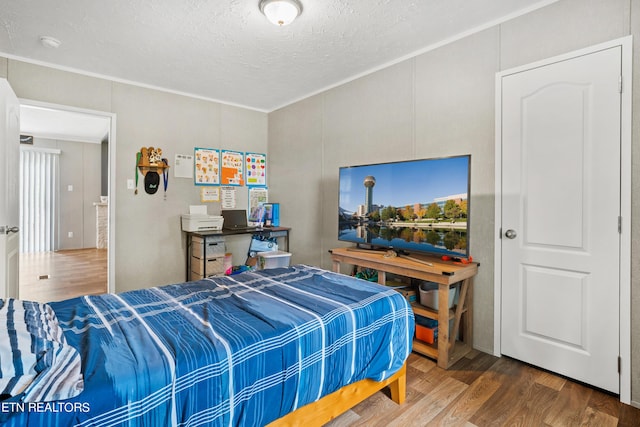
x=448, y=348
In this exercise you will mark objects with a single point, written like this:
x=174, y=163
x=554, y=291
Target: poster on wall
x=207, y=166
x=228, y=198
x=209, y=194
x=232, y=168
x=256, y=169
x=257, y=198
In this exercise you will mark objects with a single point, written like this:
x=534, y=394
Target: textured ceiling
x=226, y=50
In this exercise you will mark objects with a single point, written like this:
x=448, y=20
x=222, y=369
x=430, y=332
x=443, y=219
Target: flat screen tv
x=407, y=206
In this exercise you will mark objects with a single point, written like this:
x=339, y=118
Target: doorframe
x=625, y=201
x=111, y=177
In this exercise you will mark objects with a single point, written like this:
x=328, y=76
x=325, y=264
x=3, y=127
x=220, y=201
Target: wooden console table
x=448, y=348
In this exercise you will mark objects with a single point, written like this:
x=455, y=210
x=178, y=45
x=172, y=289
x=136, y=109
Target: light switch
x=69, y=187
x=130, y=185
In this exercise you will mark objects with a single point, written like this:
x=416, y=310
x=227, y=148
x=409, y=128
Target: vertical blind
x=38, y=199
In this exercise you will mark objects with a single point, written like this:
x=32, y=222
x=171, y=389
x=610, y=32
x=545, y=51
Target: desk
x=448, y=349
x=208, y=236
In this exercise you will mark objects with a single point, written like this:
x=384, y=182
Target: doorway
x=563, y=215
x=79, y=205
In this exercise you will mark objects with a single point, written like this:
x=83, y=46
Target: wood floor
x=54, y=276
x=483, y=390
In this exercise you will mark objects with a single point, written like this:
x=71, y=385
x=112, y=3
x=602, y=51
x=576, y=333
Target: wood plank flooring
x=70, y=274
x=483, y=390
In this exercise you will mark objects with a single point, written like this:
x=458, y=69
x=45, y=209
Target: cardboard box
x=409, y=293
x=426, y=329
x=213, y=266
x=425, y=334
x=212, y=247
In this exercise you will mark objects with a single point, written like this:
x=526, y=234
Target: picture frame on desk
x=272, y=214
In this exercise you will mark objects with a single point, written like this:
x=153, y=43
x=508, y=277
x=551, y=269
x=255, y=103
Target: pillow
x=36, y=363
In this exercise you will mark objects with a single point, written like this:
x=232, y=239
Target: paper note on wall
x=209, y=194
x=183, y=166
x=228, y=198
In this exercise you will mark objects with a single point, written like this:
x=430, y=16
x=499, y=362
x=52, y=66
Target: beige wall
x=439, y=103
x=79, y=167
x=149, y=245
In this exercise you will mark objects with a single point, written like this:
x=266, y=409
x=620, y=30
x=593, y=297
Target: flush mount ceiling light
x=50, y=42
x=281, y=12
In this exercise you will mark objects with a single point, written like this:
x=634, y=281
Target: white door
x=9, y=190
x=560, y=216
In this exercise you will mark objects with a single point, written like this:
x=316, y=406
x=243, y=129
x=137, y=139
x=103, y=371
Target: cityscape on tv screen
x=417, y=205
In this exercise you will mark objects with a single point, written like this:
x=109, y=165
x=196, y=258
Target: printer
x=199, y=220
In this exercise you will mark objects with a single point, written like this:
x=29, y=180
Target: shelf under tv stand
x=448, y=349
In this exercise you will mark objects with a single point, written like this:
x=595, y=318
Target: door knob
x=5, y=229
x=510, y=234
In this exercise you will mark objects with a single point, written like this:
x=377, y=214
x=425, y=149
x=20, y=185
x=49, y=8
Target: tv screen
x=410, y=206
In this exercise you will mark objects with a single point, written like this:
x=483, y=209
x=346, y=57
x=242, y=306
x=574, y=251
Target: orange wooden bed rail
x=332, y=405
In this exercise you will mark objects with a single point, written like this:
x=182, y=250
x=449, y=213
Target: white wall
x=439, y=103
x=149, y=245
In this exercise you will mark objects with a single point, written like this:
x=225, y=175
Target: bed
x=283, y=346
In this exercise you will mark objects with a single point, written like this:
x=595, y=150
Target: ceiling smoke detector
x=50, y=42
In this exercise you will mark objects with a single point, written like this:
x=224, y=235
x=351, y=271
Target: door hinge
x=620, y=84
x=619, y=364
x=500, y=233
x=619, y=225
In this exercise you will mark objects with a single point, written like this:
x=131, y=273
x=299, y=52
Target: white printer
x=199, y=220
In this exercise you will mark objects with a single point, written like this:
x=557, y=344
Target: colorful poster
x=256, y=169
x=207, y=166
x=232, y=168
x=257, y=198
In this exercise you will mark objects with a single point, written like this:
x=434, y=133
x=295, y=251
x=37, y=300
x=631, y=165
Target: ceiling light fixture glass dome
x=281, y=12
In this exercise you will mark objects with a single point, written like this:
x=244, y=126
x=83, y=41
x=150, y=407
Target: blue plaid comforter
x=241, y=350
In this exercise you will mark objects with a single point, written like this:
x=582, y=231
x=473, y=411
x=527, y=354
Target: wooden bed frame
x=338, y=402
